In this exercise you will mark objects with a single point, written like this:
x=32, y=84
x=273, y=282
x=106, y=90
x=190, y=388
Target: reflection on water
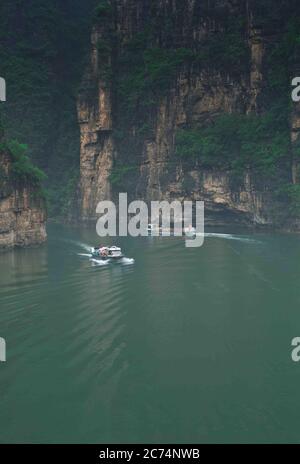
x=179, y=345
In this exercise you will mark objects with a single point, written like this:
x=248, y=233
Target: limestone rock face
x=22, y=215
x=96, y=142
x=194, y=98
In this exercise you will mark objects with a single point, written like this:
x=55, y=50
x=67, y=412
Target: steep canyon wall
x=159, y=67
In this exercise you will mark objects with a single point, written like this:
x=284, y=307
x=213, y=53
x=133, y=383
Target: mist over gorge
x=175, y=100
x=149, y=223
x=163, y=81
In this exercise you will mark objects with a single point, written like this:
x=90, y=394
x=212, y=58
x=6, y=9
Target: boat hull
x=106, y=258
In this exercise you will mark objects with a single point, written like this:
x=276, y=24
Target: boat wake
x=81, y=245
x=99, y=262
x=229, y=237
x=113, y=254
x=127, y=260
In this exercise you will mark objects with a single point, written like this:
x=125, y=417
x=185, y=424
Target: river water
x=180, y=346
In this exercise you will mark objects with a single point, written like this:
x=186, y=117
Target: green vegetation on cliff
x=103, y=10
x=147, y=69
x=22, y=167
x=238, y=141
x=43, y=48
x=148, y=76
x=43, y=45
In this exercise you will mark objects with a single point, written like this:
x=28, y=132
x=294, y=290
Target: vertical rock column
x=257, y=49
x=96, y=144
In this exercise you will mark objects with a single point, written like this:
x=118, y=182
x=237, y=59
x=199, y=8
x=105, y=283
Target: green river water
x=180, y=346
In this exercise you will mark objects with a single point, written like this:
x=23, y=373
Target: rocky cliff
x=22, y=211
x=162, y=68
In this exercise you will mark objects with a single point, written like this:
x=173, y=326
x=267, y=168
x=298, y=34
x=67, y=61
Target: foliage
x=290, y=192
x=104, y=48
x=281, y=58
x=119, y=172
x=59, y=197
x=103, y=10
x=147, y=66
x=226, y=49
x=22, y=167
x=148, y=73
x=236, y=141
x=42, y=50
